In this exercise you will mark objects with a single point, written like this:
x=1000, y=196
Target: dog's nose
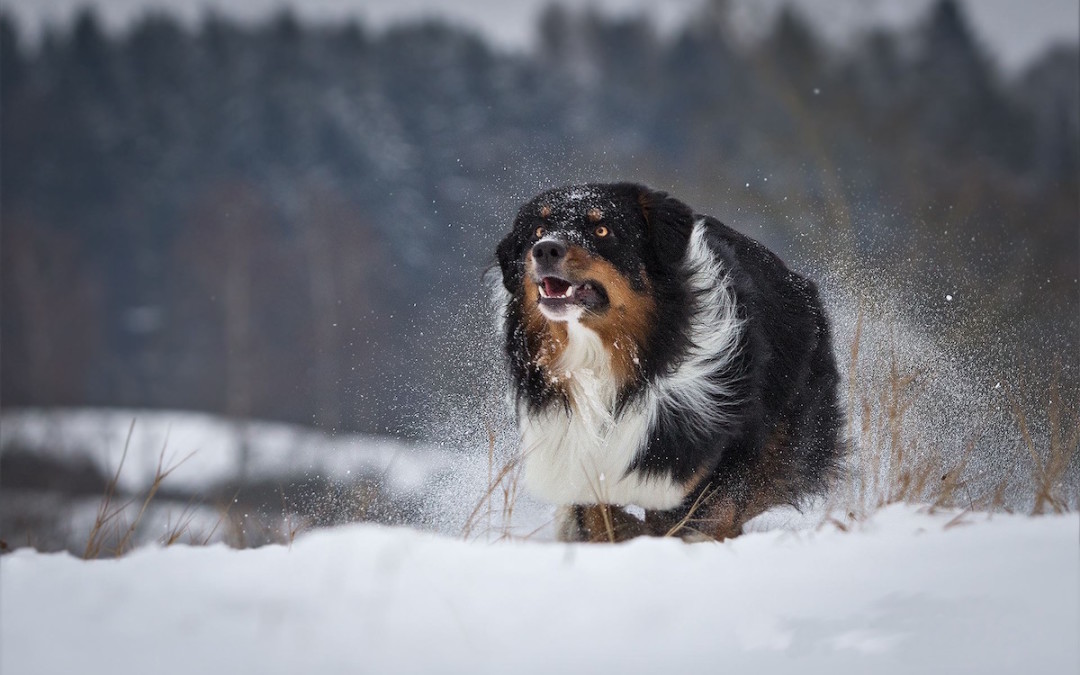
x=549, y=251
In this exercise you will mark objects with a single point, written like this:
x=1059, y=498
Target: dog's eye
x=602, y=231
x=539, y=232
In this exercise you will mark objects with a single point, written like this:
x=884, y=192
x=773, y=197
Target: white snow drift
x=905, y=592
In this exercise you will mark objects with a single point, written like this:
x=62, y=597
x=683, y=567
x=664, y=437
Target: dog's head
x=585, y=253
x=604, y=256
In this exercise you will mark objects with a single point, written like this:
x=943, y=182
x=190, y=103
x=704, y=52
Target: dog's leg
x=708, y=514
x=664, y=523
x=597, y=523
x=704, y=524
x=715, y=521
x=722, y=519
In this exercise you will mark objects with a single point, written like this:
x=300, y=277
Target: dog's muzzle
x=562, y=296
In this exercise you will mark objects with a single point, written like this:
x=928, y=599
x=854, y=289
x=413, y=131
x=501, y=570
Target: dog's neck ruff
x=581, y=452
x=700, y=389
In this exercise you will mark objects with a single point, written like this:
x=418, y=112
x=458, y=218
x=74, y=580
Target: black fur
x=783, y=379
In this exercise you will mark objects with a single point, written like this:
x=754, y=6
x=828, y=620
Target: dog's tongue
x=555, y=287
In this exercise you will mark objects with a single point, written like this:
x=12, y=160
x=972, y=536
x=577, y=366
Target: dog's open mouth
x=557, y=293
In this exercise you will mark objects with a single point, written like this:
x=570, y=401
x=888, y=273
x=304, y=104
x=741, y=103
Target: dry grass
x=605, y=510
x=174, y=532
x=121, y=519
x=107, y=512
x=291, y=523
x=1052, y=459
x=503, y=484
x=109, y=525
x=897, y=457
x=704, y=497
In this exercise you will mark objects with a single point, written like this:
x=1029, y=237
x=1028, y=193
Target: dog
x=662, y=360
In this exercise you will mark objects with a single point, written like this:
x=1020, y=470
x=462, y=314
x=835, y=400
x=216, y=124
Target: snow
x=439, y=485
x=906, y=591
x=207, y=449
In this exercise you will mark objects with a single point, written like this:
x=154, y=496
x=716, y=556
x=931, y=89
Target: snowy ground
x=56, y=462
x=905, y=592
x=207, y=449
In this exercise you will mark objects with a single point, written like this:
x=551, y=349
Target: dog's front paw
x=597, y=523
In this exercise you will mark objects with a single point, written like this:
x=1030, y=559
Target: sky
x=1014, y=31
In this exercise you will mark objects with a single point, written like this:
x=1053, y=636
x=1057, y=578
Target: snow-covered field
x=207, y=449
x=905, y=592
x=209, y=456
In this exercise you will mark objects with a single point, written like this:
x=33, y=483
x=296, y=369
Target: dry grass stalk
x=160, y=474
x=223, y=514
x=509, y=499
x=704, y=496
x=108, y=513
x=505, y=480
x=173, y=533
x=1062, y=447
x=893, y=463
x=291, y=528
x=491, y=463
x=605, y=508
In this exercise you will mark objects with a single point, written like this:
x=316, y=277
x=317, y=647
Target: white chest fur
x=581, y=455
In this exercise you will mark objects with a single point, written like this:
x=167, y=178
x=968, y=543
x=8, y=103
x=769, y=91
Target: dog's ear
x=509, y=254
x=668, y=224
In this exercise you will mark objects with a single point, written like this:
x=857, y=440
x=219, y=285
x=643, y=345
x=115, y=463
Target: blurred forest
x=288, y=222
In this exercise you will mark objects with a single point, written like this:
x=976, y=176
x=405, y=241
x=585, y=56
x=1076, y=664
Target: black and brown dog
x=661, y=359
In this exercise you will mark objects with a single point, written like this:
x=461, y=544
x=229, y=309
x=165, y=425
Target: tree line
x=289, y=221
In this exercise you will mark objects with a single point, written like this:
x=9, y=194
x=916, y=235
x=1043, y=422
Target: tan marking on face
x=625, y=327
x=546, y=339
x=594, y=215
x=545, y=211
x=574, y=261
